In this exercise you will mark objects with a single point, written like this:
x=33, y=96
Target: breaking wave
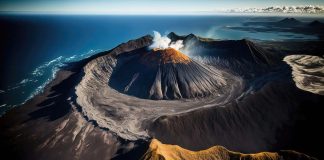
x=32, y=85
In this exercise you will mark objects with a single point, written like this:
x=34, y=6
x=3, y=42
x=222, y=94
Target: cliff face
x=307, y=72
x=160, y=151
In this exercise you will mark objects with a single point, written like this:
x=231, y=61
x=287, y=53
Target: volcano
x=165, y=74
x=229, y=99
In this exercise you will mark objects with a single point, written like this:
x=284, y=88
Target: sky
x=140, y=6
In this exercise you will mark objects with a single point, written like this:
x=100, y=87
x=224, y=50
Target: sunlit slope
x=160, y=151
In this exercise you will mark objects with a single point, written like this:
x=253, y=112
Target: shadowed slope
x=160, y=151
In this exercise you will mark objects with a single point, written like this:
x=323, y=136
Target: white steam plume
x=163, y=42
x=177, y=45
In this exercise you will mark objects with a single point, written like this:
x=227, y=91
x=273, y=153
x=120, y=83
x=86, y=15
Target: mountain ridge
x=158, y=150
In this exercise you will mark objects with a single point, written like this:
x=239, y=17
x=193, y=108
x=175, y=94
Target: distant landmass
x=289, y=25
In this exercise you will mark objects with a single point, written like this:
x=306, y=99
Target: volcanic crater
x=124, y=92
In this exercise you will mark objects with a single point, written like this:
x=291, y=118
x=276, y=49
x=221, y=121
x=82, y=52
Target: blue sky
x=140, y=6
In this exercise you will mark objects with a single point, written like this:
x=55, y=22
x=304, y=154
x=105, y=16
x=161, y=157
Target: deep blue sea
x=34, y=46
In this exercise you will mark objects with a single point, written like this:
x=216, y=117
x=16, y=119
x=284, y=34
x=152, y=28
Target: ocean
x=33, y=47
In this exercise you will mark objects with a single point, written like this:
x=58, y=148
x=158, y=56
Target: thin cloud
x=309, y=9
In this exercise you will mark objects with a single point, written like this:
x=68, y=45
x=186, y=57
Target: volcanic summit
x=163, y=56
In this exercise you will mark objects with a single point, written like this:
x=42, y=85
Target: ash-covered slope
x=165, y=74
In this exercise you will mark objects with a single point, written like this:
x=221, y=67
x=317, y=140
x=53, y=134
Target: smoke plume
x=163, y=42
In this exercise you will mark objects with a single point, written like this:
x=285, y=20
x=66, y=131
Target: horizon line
x=197, y=13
